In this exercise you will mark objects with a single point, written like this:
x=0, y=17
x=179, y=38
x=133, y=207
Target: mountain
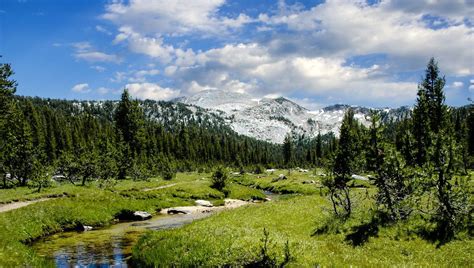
x=271, y=119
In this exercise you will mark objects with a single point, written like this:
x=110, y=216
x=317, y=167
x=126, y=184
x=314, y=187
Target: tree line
x=80, y=141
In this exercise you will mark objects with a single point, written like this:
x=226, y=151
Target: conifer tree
x=288, y=150
x=129, y=123
x=343, y=167
x=7, y=89
x=441, y=153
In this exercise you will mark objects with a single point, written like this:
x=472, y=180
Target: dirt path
x=20, y=204
x=15, y=205
x=159, y=187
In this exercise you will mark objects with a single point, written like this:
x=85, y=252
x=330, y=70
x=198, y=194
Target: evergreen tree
x=7, y=89
x=288, y=150
x=344, y=165
x=319, y=148
x=129, y=123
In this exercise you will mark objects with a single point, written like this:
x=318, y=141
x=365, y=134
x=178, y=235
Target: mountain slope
x=271, y=119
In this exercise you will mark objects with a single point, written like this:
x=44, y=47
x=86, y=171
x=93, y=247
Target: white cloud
x=151, y=91
x=255, y=70
x=96, y=56
x=102, y=29
x=151, y=46
x=457, y=10
x=85, y=51
x=119, y=77
x=82, y=46
x=173, y=17
x=98, y=68
x=349, y=28
x=311, y=58
x=457, y=84
x=81, y=88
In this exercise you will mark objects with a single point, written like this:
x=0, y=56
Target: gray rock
x=358, y=177
x=178, y=211
x=309, y=182
x=203, y=203
x=280, y=177
x=141, y=215
x=83, y=228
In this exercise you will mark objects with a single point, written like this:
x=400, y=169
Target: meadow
x=299, y=225
x=96, y=205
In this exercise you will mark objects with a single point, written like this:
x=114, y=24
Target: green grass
x=93, y=206
x=293, y=183
x=237, y=191
x=233, y=238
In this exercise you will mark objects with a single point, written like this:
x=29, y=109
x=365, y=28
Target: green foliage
x=259, y=169
x=288, y=150
x=219, y=178
x=168, y=172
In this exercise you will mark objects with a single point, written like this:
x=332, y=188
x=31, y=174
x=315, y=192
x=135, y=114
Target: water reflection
x=109, y=247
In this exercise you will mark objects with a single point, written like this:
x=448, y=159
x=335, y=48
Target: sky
x=317, y=53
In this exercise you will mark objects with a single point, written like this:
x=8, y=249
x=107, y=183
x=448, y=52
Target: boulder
x=83, y=228
x=309, y=182
x=359, y=177
x=203, y=203
x=141, y=215
x=280, y=177
x=178, y=211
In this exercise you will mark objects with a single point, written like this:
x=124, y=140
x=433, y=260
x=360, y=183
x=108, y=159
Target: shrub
x=167, y=171
x=259, y=169
x=219, y=178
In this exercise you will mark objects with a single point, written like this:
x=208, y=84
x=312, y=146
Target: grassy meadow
x=299, y=222
x=95, y=205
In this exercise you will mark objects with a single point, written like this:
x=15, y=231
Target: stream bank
x=111, y=247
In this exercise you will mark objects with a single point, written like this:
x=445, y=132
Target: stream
x=109, y=247
x=112, y=246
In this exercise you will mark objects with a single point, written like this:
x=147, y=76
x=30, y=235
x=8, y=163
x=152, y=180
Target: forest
x=418, y=170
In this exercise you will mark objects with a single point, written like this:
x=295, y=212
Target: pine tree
x=288, y=150
x=129, y=121
x=374, y=161
x=7, y=89
x=421, y=126
x=319, y=148
x=441, y=152
x=344, y=165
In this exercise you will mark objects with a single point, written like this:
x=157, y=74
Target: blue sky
x=314, y=52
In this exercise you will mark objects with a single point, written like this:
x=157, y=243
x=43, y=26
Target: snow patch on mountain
x=272, y=119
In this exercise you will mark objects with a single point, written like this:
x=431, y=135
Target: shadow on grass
x=358, y=234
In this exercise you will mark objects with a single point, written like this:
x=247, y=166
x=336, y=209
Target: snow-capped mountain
x=271, y=119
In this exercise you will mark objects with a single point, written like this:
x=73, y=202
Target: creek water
x=111, y=246
x=108, y=247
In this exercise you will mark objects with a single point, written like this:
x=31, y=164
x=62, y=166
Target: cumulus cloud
x=81, y=88
x=310, y=57
x=151, y=46
x=348, y=28
x=255, y=70
x=151, y=91
x=173, y=17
